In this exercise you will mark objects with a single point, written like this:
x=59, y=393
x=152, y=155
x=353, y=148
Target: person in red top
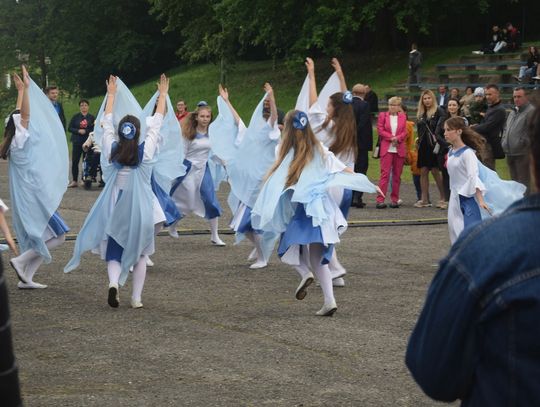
x=181, y=110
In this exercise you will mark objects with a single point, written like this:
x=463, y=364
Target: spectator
x=492, y=126
x=454, y=93
x=412, y=154
x=465, y=102
x=415, y=62
x=392, y=129
x=364, y=137
x=91, y=164
x=181, y=110
x=514, y=42
x=430, y=118
x=52, y=93
x=373, y=100
x=477, y=337
x=501, y=45
x=515, y=141
x=452, y=108
x=478, y=107
x=442, y=97
x=530, y=69
x=80, y=127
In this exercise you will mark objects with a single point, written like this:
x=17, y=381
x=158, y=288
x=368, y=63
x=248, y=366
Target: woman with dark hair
x=37, y=181
x=194, y=192
x=120, y=225
x=429, y=123
x=466, y=100
x=530, y=70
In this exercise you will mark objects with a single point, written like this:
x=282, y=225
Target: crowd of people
x=293, y=176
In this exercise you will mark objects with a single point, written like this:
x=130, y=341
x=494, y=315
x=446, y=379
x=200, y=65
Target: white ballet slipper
x=252, y=255
x=327, y=310
x=173, y=232
x=301, y=290
x=338, y=282
x=259, y=264
x=19, y=268
x=31, y=285
x=149, y=262
x=218, y=242
x=136, y=304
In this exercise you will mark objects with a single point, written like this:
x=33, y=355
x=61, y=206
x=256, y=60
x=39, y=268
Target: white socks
x=322, y=272
x=255, y=238
x=214, y=229
x=114, y=270
x=303, y=267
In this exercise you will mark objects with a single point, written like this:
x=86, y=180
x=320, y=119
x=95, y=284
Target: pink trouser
x=390, y=163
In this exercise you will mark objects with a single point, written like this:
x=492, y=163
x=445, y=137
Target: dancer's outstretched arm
x=337, y=67
x=111, y=94
x=310, y=66
x=163, y=88
x=273, y=109
x=224, y=93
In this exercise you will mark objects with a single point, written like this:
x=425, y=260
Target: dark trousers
x=361, y=166
x=441, y=160
x=76, y=154
x=91, y=164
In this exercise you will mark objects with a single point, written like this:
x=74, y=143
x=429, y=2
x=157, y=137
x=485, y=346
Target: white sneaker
x=338, y=282
x=259, y=264
x=536, y=78
x=149, y=262
x=19, y=268
x=327, y=310
x=301, y=290
x=218, y=242
x=252, y=255
x=136, y=304
x=173, y=232
x=30, y=285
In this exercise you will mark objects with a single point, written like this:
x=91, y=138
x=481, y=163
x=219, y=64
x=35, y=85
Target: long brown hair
x=189, y=124
x=422, y=109
x=304, y=144
x=127, y=152
x=9, y=133
x=468, y=135
x=344, y=127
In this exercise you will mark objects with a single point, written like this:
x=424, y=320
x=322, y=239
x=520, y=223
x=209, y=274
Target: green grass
x=382, y=70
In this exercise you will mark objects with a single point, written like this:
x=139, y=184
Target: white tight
x=33, y=259
x=255, y=238
x=322, y=272
x=114, y=270
x=214, y=228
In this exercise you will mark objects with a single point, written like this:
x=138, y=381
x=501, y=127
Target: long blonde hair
x=303, y=142
x=189, y=125
x=422, y=109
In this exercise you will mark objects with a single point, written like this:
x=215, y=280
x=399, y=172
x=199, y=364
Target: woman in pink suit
x=392, y=129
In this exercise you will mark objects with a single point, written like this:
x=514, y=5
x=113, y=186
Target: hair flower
x=300, y=120
x=128, y=130
x=347, y=97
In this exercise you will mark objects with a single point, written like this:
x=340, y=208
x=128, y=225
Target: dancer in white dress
x=473, y=187
x=194, y=192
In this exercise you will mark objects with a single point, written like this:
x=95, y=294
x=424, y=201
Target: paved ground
x=215, y=333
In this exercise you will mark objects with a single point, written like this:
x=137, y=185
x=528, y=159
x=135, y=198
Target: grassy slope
x=245, y=79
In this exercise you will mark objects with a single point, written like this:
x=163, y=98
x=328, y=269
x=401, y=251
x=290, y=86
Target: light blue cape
x=38, y=174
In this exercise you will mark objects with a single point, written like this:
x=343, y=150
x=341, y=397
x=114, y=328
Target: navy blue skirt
x=301, y=231
x=57, y=224
x=172, y=214
x=345, y=204
x=470, y=210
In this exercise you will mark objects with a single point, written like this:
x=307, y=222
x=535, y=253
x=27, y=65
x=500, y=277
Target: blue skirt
x=172, y=214
x=245, y=225
x=470, y=210
x=301, y=231
x=345, y=204
x=57, y=224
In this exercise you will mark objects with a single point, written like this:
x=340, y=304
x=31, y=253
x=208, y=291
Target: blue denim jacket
x=478, y=336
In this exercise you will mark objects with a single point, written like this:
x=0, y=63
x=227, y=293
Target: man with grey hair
x=515, y=141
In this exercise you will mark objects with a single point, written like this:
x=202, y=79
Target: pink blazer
x=385, y=133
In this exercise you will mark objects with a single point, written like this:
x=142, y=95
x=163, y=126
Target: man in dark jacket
x=415, y=62
x=364, y=137
x=52, y=93
x=80, y=126
x=492, y=126
x=373, y=100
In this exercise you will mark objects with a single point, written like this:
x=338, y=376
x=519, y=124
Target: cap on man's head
x=479, y=91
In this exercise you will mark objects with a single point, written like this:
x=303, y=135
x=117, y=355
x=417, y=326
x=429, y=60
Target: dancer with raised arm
x=120, y=226
x=37, y=181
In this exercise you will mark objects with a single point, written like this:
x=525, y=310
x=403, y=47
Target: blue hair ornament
x=347, y=97
x=300, y=120
x=202, y=103
x=128, y=130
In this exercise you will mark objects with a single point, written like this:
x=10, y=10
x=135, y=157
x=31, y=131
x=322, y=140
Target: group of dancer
x=291, y=187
